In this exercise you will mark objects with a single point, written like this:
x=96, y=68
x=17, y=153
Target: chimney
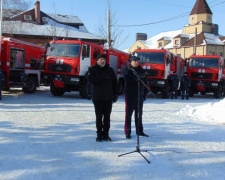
x=37, y=12
x=141, y=36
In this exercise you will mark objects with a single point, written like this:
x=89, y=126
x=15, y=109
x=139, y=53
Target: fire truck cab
x=22, y=64
x=159, y=65
x=67, y=62
x=207, y=73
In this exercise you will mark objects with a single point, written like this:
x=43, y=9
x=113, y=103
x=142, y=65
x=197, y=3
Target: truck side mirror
x=186, y=61
x=171, y=57
x=167, y=61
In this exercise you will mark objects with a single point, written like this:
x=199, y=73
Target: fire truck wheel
x=218, y=92
x=121, y=86
x=56, y=91
x=30, y=86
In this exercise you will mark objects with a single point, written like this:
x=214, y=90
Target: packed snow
x=210, y=112
x=47, y=137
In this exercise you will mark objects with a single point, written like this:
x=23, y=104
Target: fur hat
x=101, y=56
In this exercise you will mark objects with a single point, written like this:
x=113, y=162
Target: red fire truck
x=67, y=62
x=22, y=64
x=207, y=73
x=159, y=65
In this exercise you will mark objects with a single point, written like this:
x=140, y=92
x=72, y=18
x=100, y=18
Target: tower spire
x=201, y=7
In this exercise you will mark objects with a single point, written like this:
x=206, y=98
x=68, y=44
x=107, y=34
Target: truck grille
x=59, y=67
x=152, y=72
x=201, y=75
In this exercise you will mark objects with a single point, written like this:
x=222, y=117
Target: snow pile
x=211, y=112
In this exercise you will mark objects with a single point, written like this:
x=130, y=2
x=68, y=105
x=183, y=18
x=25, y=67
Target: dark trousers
x=174, y=92
x=102, y=111
x=131, y=105
x=185, y=93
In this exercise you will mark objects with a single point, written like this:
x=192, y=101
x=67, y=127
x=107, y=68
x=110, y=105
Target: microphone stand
x=136, y=74
x=138, y=150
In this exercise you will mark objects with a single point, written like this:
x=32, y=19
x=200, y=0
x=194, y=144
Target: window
x=27, y=17
x=160, y=44
x=63, y=50
x=208, y=17
x=176, y=42
x=44, y=19
x=16, y=59
x=96, y=53
x=85, y=51
x=193, y=18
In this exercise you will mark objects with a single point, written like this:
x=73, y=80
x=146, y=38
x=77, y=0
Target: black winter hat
x=134, y=58
x=101, y=56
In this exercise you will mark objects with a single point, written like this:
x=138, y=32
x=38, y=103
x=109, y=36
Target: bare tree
x=54, y=29
x=116, y=34
x=16, y=4
x=11, y=8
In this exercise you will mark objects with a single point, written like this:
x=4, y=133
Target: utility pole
x=195, y=41
x=1, y=24
x=108, y=29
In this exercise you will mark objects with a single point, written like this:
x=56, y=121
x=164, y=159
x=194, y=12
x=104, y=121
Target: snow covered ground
x=44, y=137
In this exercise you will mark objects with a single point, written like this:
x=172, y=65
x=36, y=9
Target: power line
x=169, y=19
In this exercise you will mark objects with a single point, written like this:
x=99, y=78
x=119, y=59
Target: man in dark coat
x=131, y=97
x=104, y=93
x=174, y=82
x=1, y=81
x=185, y=85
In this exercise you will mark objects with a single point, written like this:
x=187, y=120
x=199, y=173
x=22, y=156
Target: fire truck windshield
x=204, y=62
x=151, y=57
x=63, y=50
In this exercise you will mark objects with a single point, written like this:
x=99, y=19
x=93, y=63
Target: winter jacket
x=131, y=87
x=185, y=82
x=174, y=81
x=104, y=82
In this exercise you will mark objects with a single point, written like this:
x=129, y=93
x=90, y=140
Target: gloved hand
x=114, y=98
x=145, y=97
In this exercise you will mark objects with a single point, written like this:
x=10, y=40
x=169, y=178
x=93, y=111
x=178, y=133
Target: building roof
x=65, y=18
x=55, y=25
x=152, y=43
x=46, y=30
x=203, y=39
x=201, y=7
x=222, y=38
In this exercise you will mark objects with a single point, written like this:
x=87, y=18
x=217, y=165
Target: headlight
x=161, y=82
x=214, y=84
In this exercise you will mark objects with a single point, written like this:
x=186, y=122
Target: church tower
x=200, y=18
